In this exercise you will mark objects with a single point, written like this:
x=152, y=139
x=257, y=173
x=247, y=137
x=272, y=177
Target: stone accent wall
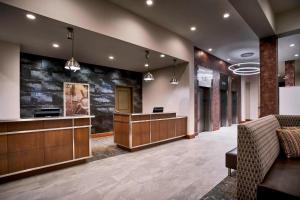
x=268, y=76
x=42, y=81
x=219, y=66
x=290, y=73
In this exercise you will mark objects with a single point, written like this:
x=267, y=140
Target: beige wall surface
x=174, y=98
x=9, y=80
x=108, y=19
x=250, y=98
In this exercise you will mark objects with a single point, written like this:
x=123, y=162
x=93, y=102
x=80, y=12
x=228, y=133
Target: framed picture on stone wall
x=76, y=99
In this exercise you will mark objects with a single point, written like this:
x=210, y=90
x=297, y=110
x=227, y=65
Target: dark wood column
x=268, y=76
x=290, y=73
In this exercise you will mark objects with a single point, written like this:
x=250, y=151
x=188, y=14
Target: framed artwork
x=76, y=99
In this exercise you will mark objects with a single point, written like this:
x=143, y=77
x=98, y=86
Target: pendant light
x=148, y=76
x=174, y=81
x=72, y=64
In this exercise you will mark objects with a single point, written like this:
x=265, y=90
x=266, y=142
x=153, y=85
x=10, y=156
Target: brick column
x=268, y=76
x=290, y=73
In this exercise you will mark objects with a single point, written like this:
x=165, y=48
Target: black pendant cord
x=174, y=68
x=147, y=55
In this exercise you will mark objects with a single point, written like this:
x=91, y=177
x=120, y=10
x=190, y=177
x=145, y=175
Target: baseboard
x=191, y=136
x=105, y=134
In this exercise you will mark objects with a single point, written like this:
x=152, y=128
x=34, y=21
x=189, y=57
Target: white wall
x=289, y=100
x=9, y=80
x=174, y=98
x=250, y=97
x=111, y=20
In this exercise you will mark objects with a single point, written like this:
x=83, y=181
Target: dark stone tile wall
x=42, y=81
x=268, y=76
x=289, y=73
x=219, y=67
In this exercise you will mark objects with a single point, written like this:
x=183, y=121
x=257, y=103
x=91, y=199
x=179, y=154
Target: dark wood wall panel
x=163, y=115
x=3, y=127
x=23, y=126
x=3, y=164
x=58, y=154
x=25, y=142
x=181, y=126
x=82, y=122
x=140, y=133
x=58, y=123
x=140, y=117
x=25, y=160
x=171, y=128
x=58, y=138
x=121, y=118
x=155, y=131
x=121, y=133
x=82, y=141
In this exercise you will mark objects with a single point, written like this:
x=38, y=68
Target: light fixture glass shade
x=148, y=77
x=72, y=65
x=174, y=81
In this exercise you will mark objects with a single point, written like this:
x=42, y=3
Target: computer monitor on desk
x=158, y=109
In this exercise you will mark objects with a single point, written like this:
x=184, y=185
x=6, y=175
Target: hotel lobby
x=150, y=99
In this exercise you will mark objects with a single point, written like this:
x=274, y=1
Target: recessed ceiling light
x=30, y=16
x=193, y=28
x=228, y=59
x=146, y=65
x=149, y=2
x=296, y=55
x=226, y=15
x=162, y=55
x=292, y=45
x=111, y=57
x=210, y=49
x=55, y=45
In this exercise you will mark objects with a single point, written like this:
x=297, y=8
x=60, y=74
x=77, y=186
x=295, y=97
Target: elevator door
x=234, y=108
x=204, y=109
x=223, y=107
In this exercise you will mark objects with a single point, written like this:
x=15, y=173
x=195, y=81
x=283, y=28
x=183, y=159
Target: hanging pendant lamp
x=72, y=64
x=174, y=81
x=148, y=76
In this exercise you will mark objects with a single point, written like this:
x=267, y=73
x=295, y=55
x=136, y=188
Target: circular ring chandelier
x=245, y=69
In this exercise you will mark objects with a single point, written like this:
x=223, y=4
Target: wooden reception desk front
x=31, y=144
x=137, y=130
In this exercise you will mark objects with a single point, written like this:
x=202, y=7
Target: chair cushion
x=289, y=139
x=231, y=159
x=282, y=181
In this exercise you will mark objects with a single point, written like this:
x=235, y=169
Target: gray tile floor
x=185, y=169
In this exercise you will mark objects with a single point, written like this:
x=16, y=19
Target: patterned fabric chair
x=258, y=148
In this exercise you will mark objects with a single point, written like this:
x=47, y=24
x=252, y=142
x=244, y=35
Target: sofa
x=263, y=172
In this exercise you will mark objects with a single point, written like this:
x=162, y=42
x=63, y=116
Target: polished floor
x=185, y=169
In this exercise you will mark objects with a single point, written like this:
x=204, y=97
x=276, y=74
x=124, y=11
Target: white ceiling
x=37, y=36
x=279, y=6
x=229, y=38
x=285, y=52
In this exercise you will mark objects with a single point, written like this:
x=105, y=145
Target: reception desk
x=137, y=130
x=30, y=144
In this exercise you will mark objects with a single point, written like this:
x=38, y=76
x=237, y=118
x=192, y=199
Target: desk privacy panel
x=42, y=80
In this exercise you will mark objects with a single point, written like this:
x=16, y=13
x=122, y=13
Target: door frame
x=131, y=91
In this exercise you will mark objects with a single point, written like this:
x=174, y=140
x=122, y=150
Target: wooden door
x=123, y=102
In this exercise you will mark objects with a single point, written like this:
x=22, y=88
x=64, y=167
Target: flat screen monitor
x=158, y=109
